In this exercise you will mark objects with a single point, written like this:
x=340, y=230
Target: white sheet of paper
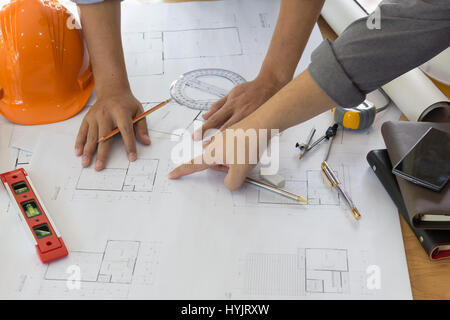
x=232, y=35
x=192, y=238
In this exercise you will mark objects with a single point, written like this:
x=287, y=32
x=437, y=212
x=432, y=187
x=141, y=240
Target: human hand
x=241, y=101
x=225, y=155
x=107, y=113
x=300, y=100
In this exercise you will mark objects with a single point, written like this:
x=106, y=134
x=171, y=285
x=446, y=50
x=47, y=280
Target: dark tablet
x=428, y=162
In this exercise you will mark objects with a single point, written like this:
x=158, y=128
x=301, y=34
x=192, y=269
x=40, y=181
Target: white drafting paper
x=232, y=35
x=413, y=92
x=136, y=234
x=369, y=5
x=26, y=137
x=339, y=14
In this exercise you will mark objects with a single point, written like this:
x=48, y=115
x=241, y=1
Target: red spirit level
x=32, y=212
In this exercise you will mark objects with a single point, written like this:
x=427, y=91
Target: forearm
x=300, y=100
x=295, y=23
x=362, y=59
x=101, y=29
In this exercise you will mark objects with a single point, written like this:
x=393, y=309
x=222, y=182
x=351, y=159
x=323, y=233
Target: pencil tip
x=302, y=199
x=356, y=213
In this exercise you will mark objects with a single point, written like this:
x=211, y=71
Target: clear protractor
x=199, y=89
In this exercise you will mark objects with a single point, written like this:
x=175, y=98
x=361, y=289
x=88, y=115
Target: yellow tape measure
x=357, y=118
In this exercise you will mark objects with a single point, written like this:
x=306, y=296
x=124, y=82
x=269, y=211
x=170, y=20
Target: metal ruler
x=193, y=79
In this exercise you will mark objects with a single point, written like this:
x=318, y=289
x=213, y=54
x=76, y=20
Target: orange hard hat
x=45, y=72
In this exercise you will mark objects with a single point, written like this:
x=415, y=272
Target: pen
x=276, y=190
x=138, y=118
x=334, y=182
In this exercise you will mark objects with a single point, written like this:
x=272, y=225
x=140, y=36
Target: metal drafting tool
x=305, y=145
x=207, y=82
x=275, y=189
x=334, y=182
x=304, y=148
x=34, y=216
x=330, y=143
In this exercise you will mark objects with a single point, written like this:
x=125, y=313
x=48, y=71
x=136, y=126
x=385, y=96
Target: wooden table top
x=429, y=279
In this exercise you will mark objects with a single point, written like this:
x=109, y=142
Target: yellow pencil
x=138, y=118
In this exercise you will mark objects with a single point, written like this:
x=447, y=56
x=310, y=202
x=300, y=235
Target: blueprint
x=134, y=234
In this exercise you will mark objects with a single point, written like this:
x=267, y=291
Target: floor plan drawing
x=308, y=271
x=110, y=273
x=267, y=197
x=148, y=52
x=139, y=176
x=134, y=181
x=171, y=118
x=23, y=158
x=144, y=55
x=273, y=274
x=115, y=265
x=319, y=190
x=121, y=180
x=326, y=270
x=197, y=43
x=264, y=19
x=220, y=37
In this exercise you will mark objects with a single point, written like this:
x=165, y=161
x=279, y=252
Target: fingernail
x=85, y=161
x=146, y=138
x=132, y=156
x=78, y=151
x=98, y=165
x=171, y=175
x=197, y=135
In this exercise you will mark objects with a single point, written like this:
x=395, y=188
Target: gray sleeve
x=361, y=60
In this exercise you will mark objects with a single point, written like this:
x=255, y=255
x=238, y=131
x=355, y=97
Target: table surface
x=429, y=279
